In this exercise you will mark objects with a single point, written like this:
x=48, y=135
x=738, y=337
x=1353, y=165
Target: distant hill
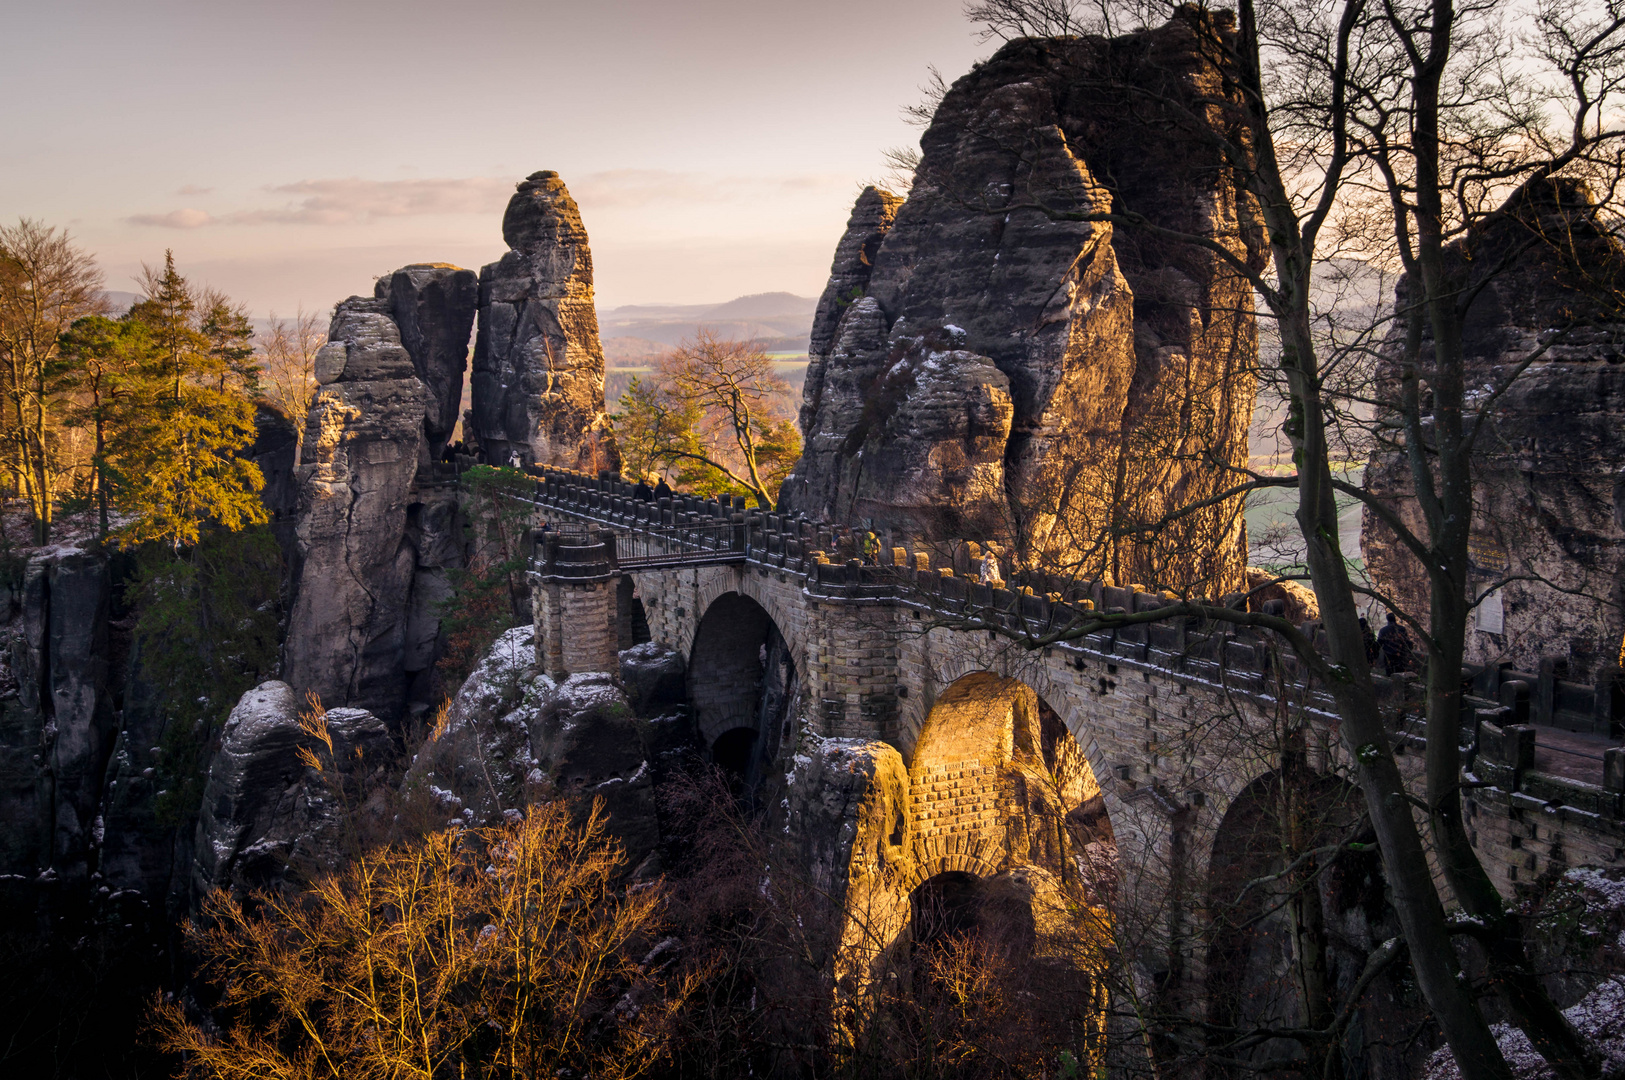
x=121, y=301
x=780, y=321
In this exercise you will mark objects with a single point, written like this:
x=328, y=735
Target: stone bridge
x=981, y=739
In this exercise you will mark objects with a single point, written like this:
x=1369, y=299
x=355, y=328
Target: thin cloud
x=354, y=201
x=176, y=219
x=193, y=189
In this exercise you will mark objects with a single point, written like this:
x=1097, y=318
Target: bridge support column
x=573, y=601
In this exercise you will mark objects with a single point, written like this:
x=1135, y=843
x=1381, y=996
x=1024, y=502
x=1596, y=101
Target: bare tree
x=46, y=282
x=1396, y=132
x=289, y=350
x=743, y=426
x=505, y=952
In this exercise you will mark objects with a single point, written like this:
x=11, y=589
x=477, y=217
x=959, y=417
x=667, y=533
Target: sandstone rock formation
x=363, y=444
x=375, y=536
x=513, y=735
x=1549, y=471
x=433, y=306
x=59, y=732
x=266, y=812
x=274, y=450
x=538, y=380
x=984, y=362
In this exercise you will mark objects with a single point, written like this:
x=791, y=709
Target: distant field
x=791, y=367
x=1269, y=514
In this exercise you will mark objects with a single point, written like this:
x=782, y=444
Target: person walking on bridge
x=990, y=568
x=1395, y=645
x=662, y=489
x=871, y=548
x=643, y=492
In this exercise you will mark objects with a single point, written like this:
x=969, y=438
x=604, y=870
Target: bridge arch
x=743, y=682
x=997, y=783
x=1283, y=941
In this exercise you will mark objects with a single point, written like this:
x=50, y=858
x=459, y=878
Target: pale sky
x=289, y=152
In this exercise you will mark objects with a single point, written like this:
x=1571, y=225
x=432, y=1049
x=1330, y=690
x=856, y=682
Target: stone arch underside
x=742, y=684
x=678, y=599
x=998, y=784
x=1283, y=944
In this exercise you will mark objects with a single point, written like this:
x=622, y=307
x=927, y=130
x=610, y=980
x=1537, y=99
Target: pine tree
x=176, y=464
x=101, y=376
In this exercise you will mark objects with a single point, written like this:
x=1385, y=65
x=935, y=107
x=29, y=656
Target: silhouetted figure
x=662, y=489
x=1370, y=641
x=448, y=455
x=1395, y=645
x=643, y=492
x=871, y=548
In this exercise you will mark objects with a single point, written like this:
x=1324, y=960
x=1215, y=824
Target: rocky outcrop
x=513, y=735
x=538, y=379
x=59, y=729
x=269, y=809
x=433, y=306
x=1549, y=470
x=987, y=361
x=275, y=451
x=375, y=534
x=653, y=677
x=363, y=445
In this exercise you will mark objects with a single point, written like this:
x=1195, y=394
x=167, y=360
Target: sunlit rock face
x=1549, y=466
x=987, y=361
x=371, y=544
x=538, y=379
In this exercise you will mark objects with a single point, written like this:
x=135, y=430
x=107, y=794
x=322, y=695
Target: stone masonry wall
x=1174, y=721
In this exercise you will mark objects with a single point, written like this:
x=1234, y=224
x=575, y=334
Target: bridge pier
x=574, y=601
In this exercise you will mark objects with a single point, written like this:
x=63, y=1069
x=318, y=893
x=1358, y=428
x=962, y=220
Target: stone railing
x=938, y=579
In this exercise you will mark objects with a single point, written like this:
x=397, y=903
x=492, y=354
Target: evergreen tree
x=175, y=459
x=103, y=361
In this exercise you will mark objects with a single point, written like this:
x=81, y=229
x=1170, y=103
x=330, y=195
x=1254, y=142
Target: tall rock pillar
x=538, y=381
x=374, y=535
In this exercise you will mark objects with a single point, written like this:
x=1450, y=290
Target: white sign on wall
x=1487, y=616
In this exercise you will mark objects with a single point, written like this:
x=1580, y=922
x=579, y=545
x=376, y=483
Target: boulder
x=512, y=736
x=478, y=766
x=266, y=811
x=653, y=676
x=538, y=378
x=983, y=354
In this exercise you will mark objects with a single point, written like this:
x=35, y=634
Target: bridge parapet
x=1522, y=816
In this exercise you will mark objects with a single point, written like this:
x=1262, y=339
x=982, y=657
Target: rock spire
x=538, y=380
x=988, y=361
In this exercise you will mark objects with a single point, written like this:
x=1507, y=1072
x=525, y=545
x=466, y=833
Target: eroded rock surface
x=983, y=361
x=363, y=444
x=266, y=811
x=1549, y=484
x=538, y=379
x=59, y=730
x=433, y=305
x=513, y=735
